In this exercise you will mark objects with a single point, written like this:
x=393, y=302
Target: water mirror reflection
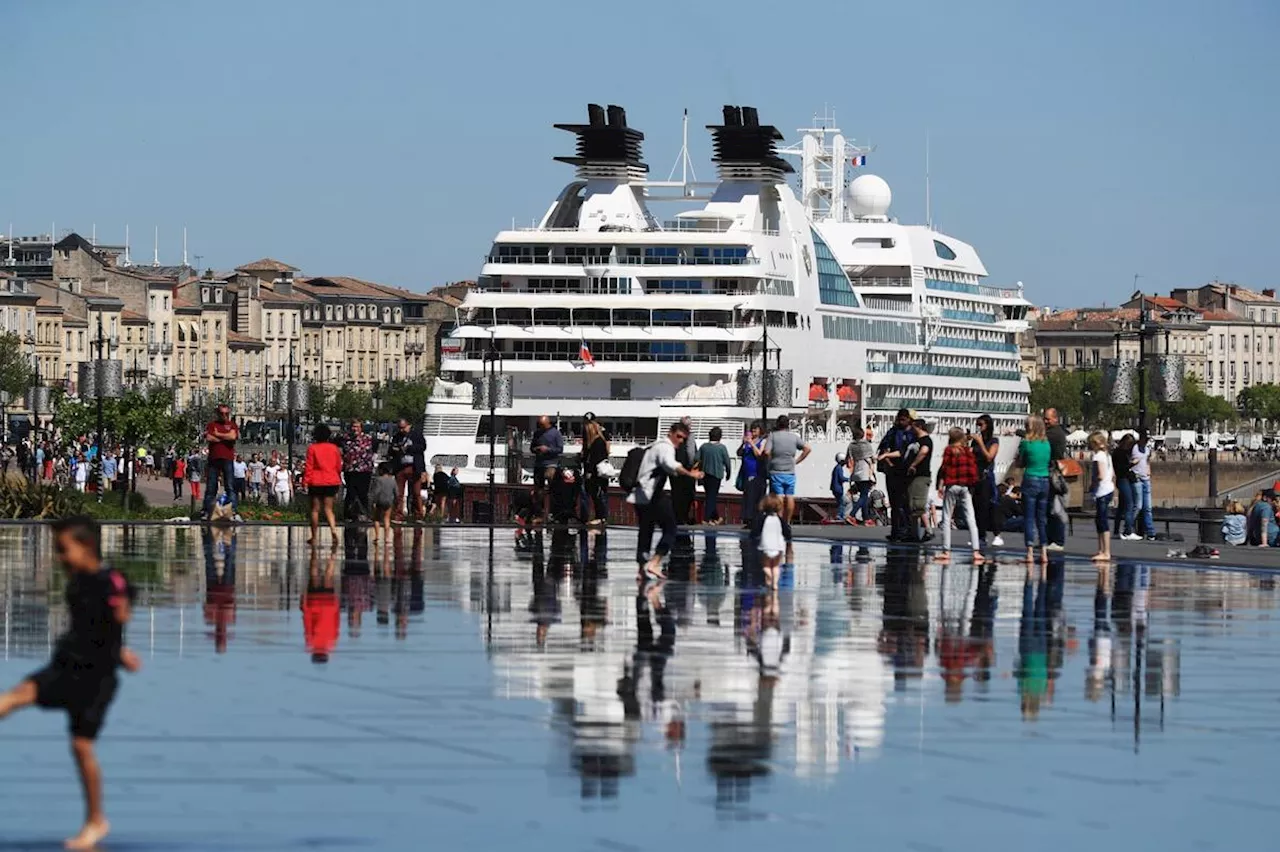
x=532, y=690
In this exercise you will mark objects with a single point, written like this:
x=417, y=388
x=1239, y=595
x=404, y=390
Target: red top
x=320, y=621
x=959, y=467
x=324, y=465
x=180, y=469
x=221, y=449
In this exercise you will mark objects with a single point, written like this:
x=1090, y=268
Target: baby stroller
x=878, y=507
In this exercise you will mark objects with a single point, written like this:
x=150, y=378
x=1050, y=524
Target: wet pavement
x=428, y=695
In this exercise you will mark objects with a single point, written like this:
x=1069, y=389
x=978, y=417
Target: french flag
x=584, y=354
x=860, y=160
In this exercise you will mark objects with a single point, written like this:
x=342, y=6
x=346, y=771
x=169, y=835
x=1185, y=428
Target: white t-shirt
x=661, y=455
x=1106, y=482
x=772, y=541
x=282, y=481
x=1141, y=460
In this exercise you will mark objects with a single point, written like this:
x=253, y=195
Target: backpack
x=629, y=478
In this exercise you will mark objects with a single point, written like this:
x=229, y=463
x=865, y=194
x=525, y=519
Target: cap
x=839, y=458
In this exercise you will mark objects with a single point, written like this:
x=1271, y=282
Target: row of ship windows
x=888, y=331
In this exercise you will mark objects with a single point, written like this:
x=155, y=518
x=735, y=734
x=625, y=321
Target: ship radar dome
x=870, y=197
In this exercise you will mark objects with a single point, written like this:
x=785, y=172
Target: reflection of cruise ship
x=601, y=306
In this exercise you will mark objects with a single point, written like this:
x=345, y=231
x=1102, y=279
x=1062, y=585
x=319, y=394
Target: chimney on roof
x=595, y=115
x=108, y=258
x=284, y=284
x=1269, y=293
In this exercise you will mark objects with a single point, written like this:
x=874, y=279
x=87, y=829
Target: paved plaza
x=480, y=696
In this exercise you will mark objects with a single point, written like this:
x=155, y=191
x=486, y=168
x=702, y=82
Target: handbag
x=1057, y=482
x=605, y=469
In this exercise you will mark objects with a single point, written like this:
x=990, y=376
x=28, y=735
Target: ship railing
x=644, y=358
x=601, y=260
x=605, y=326
x=880, y=282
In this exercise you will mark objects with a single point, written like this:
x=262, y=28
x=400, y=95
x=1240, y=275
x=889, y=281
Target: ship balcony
x=943, y=371
x=871, y=282
x=582, y=261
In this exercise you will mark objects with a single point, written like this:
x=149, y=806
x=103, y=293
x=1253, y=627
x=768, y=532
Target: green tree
x=138, y=417
x=16, y=374
x=348, y=403
x=318, y=401
x=1197, y=408
x=1261, y=402
x=406, y=398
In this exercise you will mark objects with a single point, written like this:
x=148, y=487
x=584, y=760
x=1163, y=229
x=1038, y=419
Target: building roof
x=267, y=264
x=1224, y=316
x=235, y=338
x=269, y=296
x=129, y=316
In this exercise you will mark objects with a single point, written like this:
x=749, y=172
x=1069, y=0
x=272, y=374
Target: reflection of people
x=1100, y=642
x=320, y=616
x=544, y=608
x=357, y=596
x=219, y=545
x=81, y=678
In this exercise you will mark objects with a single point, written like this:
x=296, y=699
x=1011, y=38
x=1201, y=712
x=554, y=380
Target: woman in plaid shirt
x=956, y=477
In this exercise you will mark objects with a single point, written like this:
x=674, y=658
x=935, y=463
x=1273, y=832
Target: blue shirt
x=839, y=479
x=750, y=462
x=109, y=468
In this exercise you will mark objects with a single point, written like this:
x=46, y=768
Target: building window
x=1062, y=358
x=1097, y=358
x=1209, y=367
x=1079, y=357
x=268, y=322
x=1233, y=343
x=943, y=250
x=217, y=329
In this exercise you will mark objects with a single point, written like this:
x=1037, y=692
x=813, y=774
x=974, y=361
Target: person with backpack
x=956, y=478
x=891, y=460
x=644, y=475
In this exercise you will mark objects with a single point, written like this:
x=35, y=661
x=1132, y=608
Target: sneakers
x=1203, y=551
x=1131, y=537
x=997, y=542
x=1054, y=547
x=236, y=519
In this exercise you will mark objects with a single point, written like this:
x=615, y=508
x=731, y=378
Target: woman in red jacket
x=322, y=478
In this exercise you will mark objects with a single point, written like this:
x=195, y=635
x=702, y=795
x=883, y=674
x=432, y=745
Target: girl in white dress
x=773, y=544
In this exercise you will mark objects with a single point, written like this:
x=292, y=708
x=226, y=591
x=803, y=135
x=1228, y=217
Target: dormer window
x=217, y=295
x=204, y=294
x=361, y=311
x=397, y=313
x=328, y=312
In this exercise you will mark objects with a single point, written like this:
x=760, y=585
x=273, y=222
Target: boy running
x=81, y=677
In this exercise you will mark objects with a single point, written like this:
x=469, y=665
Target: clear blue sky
x=1073, y=144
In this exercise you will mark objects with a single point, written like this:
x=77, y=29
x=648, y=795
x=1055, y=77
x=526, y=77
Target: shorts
x=918, y=494
x=541, y=475
x=783, y=484
x=323, y=490
x=84, y=694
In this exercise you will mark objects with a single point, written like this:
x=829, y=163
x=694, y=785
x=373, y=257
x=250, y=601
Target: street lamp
x=103, y=379
x=495, y=391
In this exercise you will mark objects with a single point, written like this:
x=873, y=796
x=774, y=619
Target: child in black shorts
x=81, y=677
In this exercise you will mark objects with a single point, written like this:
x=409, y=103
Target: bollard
x=1213, y=475
x=1211, y=524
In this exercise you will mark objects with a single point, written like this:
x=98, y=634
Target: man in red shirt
x=222, y=434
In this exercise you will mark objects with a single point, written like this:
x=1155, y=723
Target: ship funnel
x=606, y=148
x=747, y=150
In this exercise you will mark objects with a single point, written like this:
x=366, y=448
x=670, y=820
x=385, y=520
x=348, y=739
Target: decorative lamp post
x=494, y=392
x=103, y=379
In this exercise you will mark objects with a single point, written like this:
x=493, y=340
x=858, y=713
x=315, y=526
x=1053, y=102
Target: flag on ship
x=584, y=354
x=860, y=160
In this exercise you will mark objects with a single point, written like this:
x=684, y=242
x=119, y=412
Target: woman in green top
x=713, y=459
x=1033, y=458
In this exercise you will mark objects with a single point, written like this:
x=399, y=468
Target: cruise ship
x=771, y=293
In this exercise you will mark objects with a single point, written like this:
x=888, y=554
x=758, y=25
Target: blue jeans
x=1142, y=501
x=1128, y=504
x=1102, y=513
x=842, y=505
x=223, y=469
x=1035, y=509
x=859, y=510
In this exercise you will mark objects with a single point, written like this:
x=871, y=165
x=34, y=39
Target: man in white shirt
x=652, y=502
